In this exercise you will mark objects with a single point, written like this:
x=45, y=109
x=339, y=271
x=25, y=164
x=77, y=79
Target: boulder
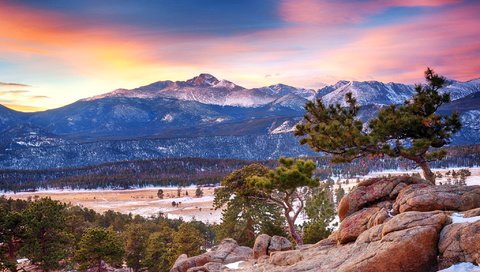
x=279, y=243
x=285, y=258
x=240, y=253
x=260, y=248
x=472, y=213
x=459, y=243
x=226, y=252
x=375, y=190
x=441, y=197
x=353, y=225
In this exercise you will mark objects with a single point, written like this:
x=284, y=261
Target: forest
x=187, y=171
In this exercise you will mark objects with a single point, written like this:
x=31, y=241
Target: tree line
x=53, y=235
x=186, y=171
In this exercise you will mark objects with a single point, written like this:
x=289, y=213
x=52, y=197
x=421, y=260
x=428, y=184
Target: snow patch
x=458, y=218
x=235, y=265
x=167, y=117
x=462, y=267
x=285, y=127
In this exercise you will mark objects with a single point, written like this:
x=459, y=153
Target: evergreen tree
x=11, y=231
x=287, y=186
x=46, y=241
x=188, y=240
x=160, y=193
x=321, y=212
x=159, y=253
x=408, y=131
x=339, y=193
x=135, y=243
x=198, y=192
x=97, y=246
x=247, y=210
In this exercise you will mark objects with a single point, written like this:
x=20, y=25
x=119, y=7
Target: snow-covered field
x=144, y=201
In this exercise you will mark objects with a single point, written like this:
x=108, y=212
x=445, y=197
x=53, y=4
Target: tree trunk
x=427, y=172
x=293, y=231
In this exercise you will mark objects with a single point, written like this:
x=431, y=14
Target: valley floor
x=142, y=202
x=145, y=202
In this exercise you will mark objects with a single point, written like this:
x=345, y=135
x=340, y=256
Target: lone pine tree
x=287, y=186
x=409, y=131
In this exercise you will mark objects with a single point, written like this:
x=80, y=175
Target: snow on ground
x=235, y=265
x=462, y=267
x=458, y=218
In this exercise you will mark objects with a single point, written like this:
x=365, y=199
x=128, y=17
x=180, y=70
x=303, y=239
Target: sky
x=53, y=53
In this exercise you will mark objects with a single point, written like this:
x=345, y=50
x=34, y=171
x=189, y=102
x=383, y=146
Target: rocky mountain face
x=387, y=224
x=200, y=117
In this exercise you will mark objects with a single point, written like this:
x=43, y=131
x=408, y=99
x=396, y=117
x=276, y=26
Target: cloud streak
x=10, y=84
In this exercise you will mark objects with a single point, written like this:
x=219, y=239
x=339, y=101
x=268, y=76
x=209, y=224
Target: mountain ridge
x=201, y=117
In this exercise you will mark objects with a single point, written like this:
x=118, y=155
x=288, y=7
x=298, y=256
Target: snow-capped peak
x=203, y=80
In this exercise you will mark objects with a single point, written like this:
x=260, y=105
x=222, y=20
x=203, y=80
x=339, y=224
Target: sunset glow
x=55, y=52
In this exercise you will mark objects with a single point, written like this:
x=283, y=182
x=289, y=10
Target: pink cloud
x=447, y=41
x=326, y=12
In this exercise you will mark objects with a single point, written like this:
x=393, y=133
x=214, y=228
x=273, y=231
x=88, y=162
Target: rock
x=220, y=252
x=279, y=243
x=407, y=242
x=240, y=253
x=226, y=252
x=214, y=267
x=371, y=235
x=260, y=248
x=198, y=269
x=285, y=258
x=375, y=190
x=472, y=213
x=440, y=197
x=352, y=226
x=378, y=218
x=181, y=258
x=459, y=243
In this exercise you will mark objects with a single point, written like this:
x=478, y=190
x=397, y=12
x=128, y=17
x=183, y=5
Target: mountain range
x=199, y=117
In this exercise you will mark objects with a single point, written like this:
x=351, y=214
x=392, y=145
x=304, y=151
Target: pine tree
x=409, y=131
x=99, y=245
x=135, y=243
x=320, y=210
x=159, y=253
x=188, y=240
x=247, y=210
x=287, y=186
x=45, y=242
x=11, y=232
x=198, y=192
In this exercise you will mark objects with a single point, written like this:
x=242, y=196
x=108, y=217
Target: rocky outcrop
x=405, y=225
x=459, y=243
x=431, y=198
x=373, y=191
x=405, y=243
x=228, y=251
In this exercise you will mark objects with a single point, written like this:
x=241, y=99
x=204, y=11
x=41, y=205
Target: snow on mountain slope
x=459, y=89
x=378, y=93
x=367, y=92
x=207, y=89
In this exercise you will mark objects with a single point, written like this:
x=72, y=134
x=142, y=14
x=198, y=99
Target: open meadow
x=145, y=201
